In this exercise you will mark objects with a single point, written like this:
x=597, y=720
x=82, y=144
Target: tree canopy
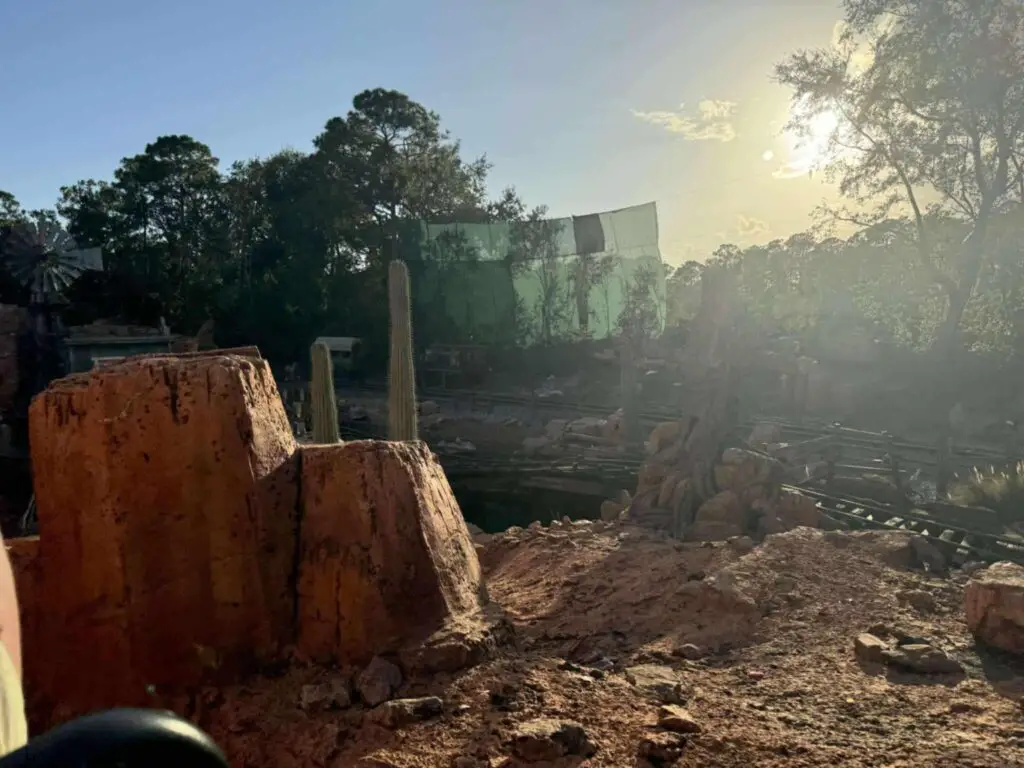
x=924, y=100
x=276, y=250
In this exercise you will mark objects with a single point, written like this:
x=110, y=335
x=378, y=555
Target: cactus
x=401, y=376
x=321, y=396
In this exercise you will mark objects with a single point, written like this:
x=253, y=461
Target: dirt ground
x=761, y=642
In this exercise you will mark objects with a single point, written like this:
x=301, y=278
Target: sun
x=808, y=152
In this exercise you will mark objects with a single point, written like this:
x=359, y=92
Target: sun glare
x=806, y=153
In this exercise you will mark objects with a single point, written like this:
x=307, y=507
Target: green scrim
x=531, y=282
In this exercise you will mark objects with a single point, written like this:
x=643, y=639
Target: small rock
x=660, y=749
x=536, y=525
x=923, y=658
x=919, y=600
x=466, y=762
x=742, y=544
x=869, y=648
x=378, y=681
x=546, y=739
x=928, y=554
x=755, y=674
x=881, y=630
x=334, y=694
x=677, y=720
x=503, y=697
x=658, y=681
x=399, y=712
x=688, y=651
x=972, y=566
x=610, y=510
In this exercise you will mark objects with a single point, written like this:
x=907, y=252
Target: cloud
x=748, y=228
x=711, y=122
x=790, y=171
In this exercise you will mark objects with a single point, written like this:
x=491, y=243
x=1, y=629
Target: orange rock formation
x=380, y=529
x=168, y=498
x=167, y=504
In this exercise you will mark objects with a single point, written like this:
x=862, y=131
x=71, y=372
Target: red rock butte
x=185, y=536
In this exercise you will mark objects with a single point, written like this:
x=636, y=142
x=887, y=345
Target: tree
x=932, y=125
x=640, y=319
x=10, y=209
x=683, y=292
x=534, y=252
x=281, y=249
x=390, y=158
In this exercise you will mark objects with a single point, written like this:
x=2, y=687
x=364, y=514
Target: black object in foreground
x=121, y=737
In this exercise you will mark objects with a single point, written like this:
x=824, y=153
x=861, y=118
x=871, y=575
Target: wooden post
x=628, y=384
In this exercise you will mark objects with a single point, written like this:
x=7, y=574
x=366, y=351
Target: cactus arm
x=323, y=405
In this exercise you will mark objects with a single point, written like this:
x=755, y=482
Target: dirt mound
x=611, y=656
x=586, y=589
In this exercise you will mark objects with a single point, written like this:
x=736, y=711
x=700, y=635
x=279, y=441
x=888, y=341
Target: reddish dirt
x=778, y=684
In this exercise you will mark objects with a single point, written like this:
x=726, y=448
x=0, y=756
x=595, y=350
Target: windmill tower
x=45, y=260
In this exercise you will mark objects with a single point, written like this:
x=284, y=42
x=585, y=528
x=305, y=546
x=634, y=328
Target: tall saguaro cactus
x=321, y=396
x=401, y=374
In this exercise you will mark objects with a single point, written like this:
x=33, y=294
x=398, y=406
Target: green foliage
x=640, y=319
x=815, y=287
x=321, y=396
x=278, y=250
x=1001, y=490
x=927, y=101
x=402, y=420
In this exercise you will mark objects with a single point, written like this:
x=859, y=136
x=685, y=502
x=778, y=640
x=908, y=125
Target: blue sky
x=576, y=102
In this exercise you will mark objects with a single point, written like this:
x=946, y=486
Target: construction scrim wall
x=534, y=282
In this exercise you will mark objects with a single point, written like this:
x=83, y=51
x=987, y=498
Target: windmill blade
x=53, y=238
x=44, y=258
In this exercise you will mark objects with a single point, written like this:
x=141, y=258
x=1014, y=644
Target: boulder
x=385, y=558
x=719, y=518
x=994, y=603
x=166, y=495
x=794, y=509
x=664, y=435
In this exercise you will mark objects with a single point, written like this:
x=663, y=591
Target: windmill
x=45, y=261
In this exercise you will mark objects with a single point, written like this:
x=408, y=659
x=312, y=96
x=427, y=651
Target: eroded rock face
x=166, y=493
x=385, y=557
x=994, y=603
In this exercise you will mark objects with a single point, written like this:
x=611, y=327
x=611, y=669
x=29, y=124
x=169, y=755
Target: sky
x=582, y=105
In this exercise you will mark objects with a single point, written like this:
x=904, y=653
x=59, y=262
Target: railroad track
x=915, y=452
x=958, y=543
x=604, y=476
